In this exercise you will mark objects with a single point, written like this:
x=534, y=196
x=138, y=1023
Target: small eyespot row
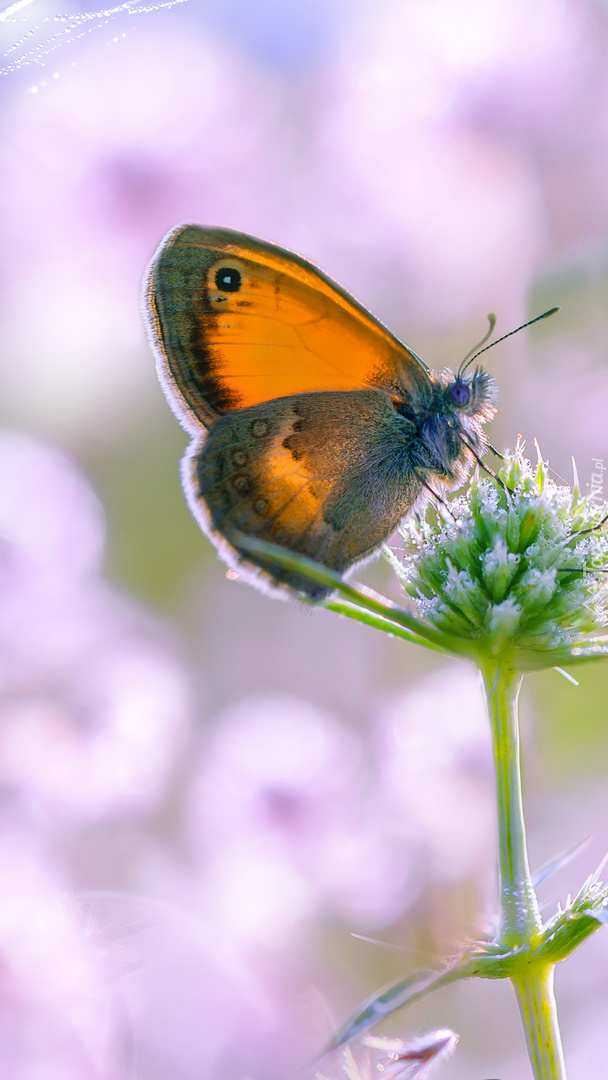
x=241, y=483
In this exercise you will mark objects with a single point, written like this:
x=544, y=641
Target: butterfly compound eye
x=460, y=393
x=228, y=279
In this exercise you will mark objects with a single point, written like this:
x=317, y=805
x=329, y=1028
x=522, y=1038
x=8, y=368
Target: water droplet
x=54, y=32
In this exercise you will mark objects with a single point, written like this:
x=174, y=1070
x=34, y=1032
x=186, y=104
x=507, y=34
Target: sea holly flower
x=518, y=571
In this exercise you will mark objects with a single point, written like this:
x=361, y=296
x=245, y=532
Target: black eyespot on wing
x=460, y=393
x=242, y=484
x=228, y=279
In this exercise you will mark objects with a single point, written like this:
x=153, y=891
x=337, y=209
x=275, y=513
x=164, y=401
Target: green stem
x=520, y=920
x=538, y=1010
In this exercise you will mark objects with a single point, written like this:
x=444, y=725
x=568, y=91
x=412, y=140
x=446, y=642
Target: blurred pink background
x=206, y=793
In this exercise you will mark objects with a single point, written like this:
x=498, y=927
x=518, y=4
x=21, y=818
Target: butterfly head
x=472, y=396
x=450, y=427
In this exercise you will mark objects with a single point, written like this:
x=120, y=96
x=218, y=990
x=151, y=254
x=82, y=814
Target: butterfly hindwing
x=315, y=473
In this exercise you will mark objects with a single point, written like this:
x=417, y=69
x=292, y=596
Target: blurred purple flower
x=95, y=170
x=435, y=774
x=56, y=1015
x=92, y=705
x=452, y=205
x=189, y=1003
x=93, y=713
x=282, y=812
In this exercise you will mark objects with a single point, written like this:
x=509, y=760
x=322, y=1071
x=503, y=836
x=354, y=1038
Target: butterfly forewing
x=236, y=322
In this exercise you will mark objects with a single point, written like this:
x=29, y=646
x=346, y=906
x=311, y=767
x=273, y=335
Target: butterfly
x=312, y=426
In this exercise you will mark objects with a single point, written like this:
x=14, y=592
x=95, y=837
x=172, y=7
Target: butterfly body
x=312, y=426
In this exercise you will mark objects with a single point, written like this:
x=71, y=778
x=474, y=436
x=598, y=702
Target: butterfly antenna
x=472, y=353
x=477, y=351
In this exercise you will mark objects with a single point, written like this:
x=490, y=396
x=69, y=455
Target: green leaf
x=600, y=914
x=424, y=633
x=558, y=862
x=379, y=623
x=397, y=995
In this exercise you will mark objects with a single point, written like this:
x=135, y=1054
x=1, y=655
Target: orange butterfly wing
x=314, y=473
x=235, y=322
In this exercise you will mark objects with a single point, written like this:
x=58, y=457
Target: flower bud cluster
x=522, y=565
